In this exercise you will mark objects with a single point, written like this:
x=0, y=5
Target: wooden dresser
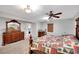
x=13, y=32
x=12, y=37
x=41, y=33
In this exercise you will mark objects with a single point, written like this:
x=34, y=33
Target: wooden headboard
x=13, y=32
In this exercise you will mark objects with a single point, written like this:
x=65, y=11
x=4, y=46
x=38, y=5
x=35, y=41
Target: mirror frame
x=14, y=21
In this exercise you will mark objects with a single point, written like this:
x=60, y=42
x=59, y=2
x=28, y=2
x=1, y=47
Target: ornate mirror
x=12, y=25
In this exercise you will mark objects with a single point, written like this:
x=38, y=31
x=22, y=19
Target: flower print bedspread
x=63, y=44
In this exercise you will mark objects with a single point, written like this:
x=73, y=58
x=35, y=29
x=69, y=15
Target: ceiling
x=16, y=12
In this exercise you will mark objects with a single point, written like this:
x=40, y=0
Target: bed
x=20, y=47
x=65, y=44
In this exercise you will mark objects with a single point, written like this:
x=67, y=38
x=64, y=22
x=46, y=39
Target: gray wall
x=2, y=28
x=66, y=26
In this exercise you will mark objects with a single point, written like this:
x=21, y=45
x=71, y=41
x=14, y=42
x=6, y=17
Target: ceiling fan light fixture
x=28, y=9
x=34, y=7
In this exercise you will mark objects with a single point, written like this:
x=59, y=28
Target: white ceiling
x=14, y=11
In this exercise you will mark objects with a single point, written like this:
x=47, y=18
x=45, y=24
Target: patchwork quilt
x=65, y=44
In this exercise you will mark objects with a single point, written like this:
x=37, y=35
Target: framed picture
x=76, y=49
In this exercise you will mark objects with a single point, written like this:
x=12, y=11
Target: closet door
x=50, y=27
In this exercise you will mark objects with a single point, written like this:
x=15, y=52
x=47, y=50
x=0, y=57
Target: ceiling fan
x=51, y=14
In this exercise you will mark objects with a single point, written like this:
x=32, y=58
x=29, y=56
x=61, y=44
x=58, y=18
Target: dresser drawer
x=12, y=37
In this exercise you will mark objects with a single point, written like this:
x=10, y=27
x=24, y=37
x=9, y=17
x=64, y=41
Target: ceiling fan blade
x=58, y=13
x=56, y=16
x=49, y=17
